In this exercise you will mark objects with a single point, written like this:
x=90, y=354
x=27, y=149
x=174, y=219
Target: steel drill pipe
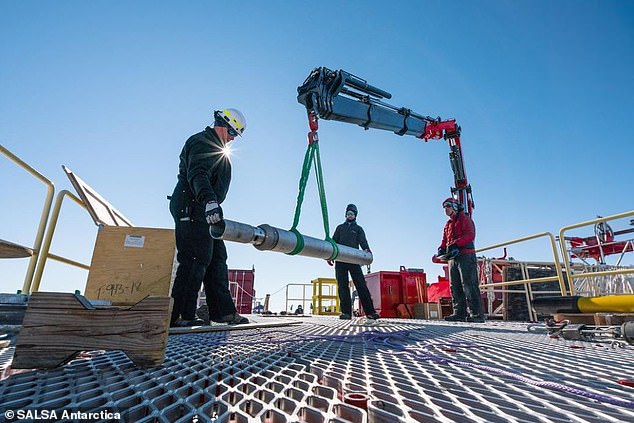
x=269, y=238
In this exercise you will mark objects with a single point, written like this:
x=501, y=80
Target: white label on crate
x=136, y=241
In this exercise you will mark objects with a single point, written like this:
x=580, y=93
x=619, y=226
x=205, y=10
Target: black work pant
x=463, y=279
x=201, y=260
x=341, y=273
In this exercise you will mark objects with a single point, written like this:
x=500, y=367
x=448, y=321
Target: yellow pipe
x=566, y=257
x=50, y=191
x=49, y=236
x=577, y=304
x=605, y=304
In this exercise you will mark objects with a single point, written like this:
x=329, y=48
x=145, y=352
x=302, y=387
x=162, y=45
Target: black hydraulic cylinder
x=362, y=85
x=556, y=304
x=338, y=95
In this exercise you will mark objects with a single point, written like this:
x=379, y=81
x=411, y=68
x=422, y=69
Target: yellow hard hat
x=232, y=118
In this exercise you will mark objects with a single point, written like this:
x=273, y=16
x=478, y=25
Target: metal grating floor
x=328, y=370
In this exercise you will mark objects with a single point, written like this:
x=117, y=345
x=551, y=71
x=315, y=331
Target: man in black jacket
x=352, y=235
x=204, y=175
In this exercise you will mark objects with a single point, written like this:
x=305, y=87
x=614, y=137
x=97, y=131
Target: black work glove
x=452, y=252
x=213, y=213
x=441, y=252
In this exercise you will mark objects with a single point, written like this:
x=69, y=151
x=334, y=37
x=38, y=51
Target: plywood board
x=129, y=264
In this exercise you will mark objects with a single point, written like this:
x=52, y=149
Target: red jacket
x=459, y=230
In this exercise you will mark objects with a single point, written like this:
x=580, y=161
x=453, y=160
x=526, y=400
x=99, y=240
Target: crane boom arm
x=339, y=95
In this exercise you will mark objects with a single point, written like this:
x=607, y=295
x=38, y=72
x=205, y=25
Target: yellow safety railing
x=562, y=245
x=553, y=244
x=39, y=237
x=44, y=254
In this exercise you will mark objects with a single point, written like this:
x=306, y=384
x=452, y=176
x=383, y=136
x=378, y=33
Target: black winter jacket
x=204, y=175
x=351, y=235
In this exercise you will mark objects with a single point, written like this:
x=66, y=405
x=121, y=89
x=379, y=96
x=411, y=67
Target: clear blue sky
x=543, y=91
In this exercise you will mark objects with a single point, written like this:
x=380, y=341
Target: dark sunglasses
x=232, y=132
x=448, y=205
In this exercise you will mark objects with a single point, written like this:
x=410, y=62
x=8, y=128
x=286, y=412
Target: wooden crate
x=576, y=318
x=57, y=326
x=595, y=319
x=128, y=264
x=419, y=311
x=612, y=319
x=433, y=311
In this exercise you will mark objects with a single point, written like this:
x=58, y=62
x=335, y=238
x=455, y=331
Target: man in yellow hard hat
x=204, y=176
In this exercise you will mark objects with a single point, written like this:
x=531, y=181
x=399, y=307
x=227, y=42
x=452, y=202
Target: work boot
x=234, y=319
x=476, y=319
x=455, y=318
x=202, y=312
x=182, y=323
x=345, y=316
x=370, y=319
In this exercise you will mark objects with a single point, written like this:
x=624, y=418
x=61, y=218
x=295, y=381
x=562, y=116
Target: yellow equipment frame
x=319, y=297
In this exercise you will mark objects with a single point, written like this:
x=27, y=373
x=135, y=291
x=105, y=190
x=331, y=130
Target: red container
x=414, y=286
x=241, y=288
x=241, y=283
x=386, y=292
x=390, y=289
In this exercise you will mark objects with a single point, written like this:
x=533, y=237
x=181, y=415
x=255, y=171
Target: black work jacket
x=351, y=235
x=204, y=175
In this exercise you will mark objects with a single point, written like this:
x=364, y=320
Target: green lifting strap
x=312, y=156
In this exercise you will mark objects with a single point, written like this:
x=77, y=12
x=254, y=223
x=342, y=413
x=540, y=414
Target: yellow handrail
x=67, y=261
x=562, y=245
x=26, y=287
x=521, y=282
x=44, y=255
x=553, y=245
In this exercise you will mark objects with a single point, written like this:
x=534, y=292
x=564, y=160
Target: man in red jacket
x=458, y=249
